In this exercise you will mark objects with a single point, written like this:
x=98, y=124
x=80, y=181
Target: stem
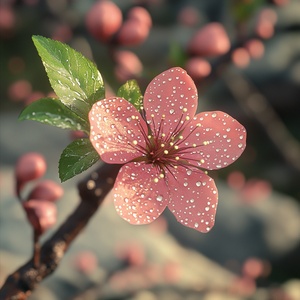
x=92, y=191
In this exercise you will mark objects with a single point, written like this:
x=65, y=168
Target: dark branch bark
x=92, y=191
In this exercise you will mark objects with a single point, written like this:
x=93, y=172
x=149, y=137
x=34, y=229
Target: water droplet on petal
x=159, y=198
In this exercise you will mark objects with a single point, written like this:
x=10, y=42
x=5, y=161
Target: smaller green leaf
x=52, y=111
x=132, y=93
x=76, y=158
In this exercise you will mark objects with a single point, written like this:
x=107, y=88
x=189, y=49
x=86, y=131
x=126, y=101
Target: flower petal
x=138, y=198
x=194, y=198
x=172, y=96
x=117, y=130
x=218, y=140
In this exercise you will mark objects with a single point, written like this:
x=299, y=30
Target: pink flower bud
x=265, y=24
x=29, y=167
x=140, y=15
x=264, y=29
x=211, y=40
x=132, y=252
x=281, y=2
x=86, y=262
x=19, y=90
x=103, y=20
x=198, y=68
x=33, y=97
x=132, y=33
x=41, y=214
x=47, y=190
x=128, y=65
x=7, y=20
x=255, y=48
x=188, y=16
x=240, y=57
x=253, y=268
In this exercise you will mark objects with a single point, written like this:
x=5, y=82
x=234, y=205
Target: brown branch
x=92, y=191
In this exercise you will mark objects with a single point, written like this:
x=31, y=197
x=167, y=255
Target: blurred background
x=245, y=59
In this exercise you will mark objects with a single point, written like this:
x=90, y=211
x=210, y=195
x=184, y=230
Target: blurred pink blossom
x=164, y=149
x=210, y=40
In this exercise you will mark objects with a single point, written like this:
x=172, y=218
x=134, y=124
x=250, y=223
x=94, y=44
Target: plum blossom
x=166, y=149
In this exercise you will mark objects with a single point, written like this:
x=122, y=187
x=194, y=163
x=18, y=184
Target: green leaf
x=74, y=78
x=132, y=93
x=76, y=158
x=53, y=112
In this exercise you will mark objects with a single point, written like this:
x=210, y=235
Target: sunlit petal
x=193, y=198
x=117, y=130
x=140, y=195
x=215, y=140
x=171, y=96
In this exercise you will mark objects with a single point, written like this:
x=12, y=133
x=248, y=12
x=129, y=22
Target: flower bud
x=103, y=20
x=255, y=48
x=29, y=167
x=188, y=16
x=132, y=33
x=136, y=28
x=240, y=57
x=41, y=214
x=128, y=65
x=47, y=190
x=19, y=90
x=211, y=40
x=198, y=68
x=140, y=15
x=86, y=262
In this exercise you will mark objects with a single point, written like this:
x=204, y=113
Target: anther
x=176, y=147
x=134, y=142
x=177, y=158
x=161, y=175
x=185, y=109
x=155, y=180
x=166, y=151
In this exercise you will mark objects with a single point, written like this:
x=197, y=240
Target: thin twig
x=20, y=284
x=256, y=105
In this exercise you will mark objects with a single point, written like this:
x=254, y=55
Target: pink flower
x=165, y=149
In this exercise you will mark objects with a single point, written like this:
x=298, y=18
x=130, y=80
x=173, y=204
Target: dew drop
x=214, y=115
x=159, y=198
x=196, y=225
x=198, y=183
x=172, y=111
x=240, y=145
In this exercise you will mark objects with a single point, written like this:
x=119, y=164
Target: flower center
x=166, y=149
